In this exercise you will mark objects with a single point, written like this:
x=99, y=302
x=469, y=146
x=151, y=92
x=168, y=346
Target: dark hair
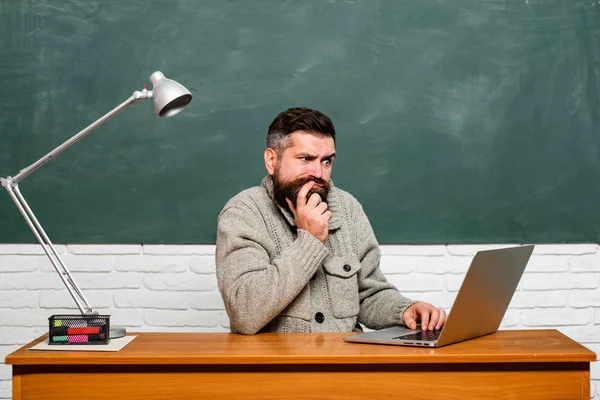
x=297, y=119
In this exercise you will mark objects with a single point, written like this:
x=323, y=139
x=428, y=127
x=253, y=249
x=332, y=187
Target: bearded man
x=297, y=254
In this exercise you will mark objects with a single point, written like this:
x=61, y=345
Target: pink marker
x=78, y=338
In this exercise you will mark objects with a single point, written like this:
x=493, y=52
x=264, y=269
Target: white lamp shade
x=169, y=96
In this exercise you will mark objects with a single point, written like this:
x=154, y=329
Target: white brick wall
x=174, y=288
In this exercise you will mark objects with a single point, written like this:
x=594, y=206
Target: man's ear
x=270, y=160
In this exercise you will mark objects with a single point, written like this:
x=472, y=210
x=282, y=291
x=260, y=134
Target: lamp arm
x=136, y=96
x=11, y=185
x=59, y=265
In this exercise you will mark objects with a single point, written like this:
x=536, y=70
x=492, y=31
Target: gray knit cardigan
x=276, y=278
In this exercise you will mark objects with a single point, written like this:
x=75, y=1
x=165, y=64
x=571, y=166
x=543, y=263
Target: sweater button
x=347, y=268
x=319, y=317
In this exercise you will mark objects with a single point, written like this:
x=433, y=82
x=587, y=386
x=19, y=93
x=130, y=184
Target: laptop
x=479, y=307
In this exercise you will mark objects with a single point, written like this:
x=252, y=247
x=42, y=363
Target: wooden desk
x=509, y=364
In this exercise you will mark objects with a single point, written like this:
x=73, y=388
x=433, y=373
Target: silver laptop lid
x=485, y=293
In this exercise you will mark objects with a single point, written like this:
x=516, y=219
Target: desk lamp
x=169, y=98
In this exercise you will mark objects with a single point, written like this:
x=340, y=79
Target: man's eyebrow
x=305, y=154
x=311, y=155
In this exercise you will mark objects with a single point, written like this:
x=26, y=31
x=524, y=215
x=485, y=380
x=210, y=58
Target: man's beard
x=290, y=189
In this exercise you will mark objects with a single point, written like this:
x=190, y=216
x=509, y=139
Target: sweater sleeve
x=256, y=289
x=381, y=304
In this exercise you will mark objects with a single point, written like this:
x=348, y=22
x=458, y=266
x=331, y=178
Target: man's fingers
x=409, y=318
x=302, y=200
x=442, y=319
x=429, y=317
x=411, y=323
x=321, y=208
x=314, y=200
x=424, y=318
x=435, y=317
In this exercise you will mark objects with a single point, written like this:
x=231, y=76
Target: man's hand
x=311, y=214
x=430, y=317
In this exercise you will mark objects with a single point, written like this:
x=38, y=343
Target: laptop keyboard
x=429, y=335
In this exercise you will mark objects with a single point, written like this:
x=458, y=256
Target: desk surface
x=523, y=346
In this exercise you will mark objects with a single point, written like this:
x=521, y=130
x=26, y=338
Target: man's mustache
x=320, y=181
x=321, y=191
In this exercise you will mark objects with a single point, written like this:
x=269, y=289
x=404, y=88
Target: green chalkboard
x=459, y=121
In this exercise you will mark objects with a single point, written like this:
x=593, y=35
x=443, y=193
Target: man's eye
x=327, y=162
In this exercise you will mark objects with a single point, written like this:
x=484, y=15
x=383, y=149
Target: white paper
x=113, y=345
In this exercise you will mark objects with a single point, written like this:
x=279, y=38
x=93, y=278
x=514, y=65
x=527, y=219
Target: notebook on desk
x=479, y=307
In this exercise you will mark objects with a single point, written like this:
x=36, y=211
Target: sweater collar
x=333, y=204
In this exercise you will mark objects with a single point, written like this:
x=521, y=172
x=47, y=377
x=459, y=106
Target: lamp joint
x=6, y=182
x=143, y=94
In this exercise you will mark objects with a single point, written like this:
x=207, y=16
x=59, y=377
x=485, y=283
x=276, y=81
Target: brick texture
x=172, y=288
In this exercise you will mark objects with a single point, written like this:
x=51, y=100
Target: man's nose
x=316, y=169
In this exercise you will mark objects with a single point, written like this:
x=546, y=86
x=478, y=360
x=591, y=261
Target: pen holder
x=79, y=329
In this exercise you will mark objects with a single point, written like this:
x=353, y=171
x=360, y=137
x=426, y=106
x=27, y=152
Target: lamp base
x=117, y=332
